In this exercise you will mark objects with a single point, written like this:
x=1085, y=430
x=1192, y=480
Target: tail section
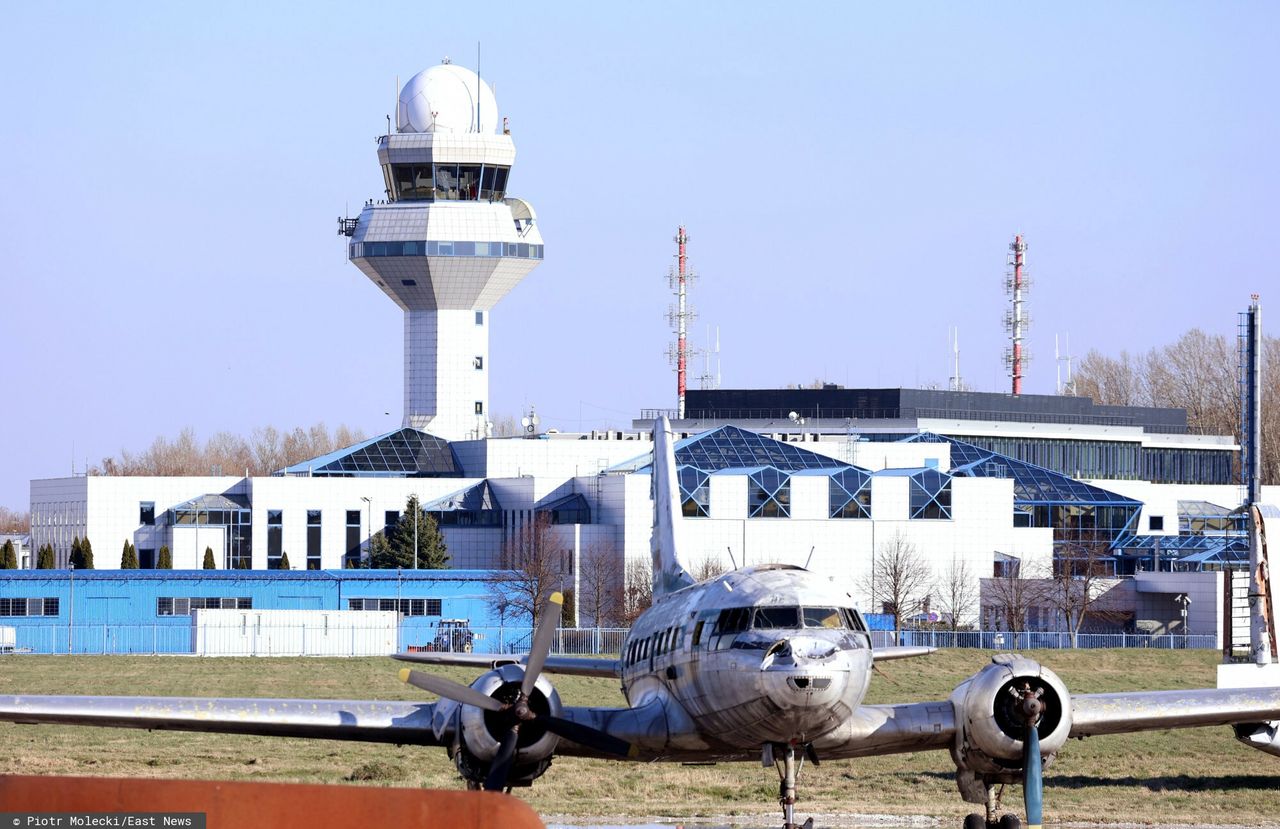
x=668, y=574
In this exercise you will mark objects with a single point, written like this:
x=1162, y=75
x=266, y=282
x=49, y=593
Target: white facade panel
x=295, y=632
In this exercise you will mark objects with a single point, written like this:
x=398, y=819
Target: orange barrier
x=230, y=805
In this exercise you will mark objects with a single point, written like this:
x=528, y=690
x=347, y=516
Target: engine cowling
x=989, y=732
x=481, y=732
x=1264, y=736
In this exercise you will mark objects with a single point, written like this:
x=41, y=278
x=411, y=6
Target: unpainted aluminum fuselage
x=754, y=686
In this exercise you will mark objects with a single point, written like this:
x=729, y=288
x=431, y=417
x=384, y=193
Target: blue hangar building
x=150, y=611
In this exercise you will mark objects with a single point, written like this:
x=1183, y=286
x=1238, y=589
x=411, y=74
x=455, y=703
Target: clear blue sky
x=851, y=176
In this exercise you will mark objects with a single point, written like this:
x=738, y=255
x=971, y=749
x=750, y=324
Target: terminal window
x=1155, y=522
x=313, y=539
x=29, y=607
x=147, y=513
x=407, y=607
x=183, y=605
x=275, y=538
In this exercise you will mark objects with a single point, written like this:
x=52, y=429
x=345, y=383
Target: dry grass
x=1196, y=776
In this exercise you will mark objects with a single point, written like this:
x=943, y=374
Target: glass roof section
x=1031, y=484
x=405, y=453
x=729, y=447
x=478, y=497
x=1202, y=509
x=214, y=501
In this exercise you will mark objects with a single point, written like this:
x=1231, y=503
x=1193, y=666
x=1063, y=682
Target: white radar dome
x=443, y=99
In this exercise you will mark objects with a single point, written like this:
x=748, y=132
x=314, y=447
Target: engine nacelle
x=482, y=731
x=1264, y=736
x=989, y=730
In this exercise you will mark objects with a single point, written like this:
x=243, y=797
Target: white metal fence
x=296, y=639
x=1038, y=640
x=315, y=640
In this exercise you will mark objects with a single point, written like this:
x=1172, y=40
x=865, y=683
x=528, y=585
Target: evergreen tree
x=208, y=559
x=45, y=558
x=129, y=557
x=86, y=554
x=8, y=556
x=165, y=562
x=76, y=560
x=569, y=609
x=380, y=552
x=398, y=547
x=284, y=562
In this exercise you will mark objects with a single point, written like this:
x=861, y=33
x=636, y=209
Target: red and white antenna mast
x=1016, y=320
x=680, y=316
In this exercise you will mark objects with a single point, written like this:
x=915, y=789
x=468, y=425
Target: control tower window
x=469, y=181
x=412, y=182
x=446, y=181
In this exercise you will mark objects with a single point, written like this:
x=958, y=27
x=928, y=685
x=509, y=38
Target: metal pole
x=1259, y=587
x=417, y=510
x=71, y=606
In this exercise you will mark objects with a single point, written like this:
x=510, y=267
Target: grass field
x=1195, y=776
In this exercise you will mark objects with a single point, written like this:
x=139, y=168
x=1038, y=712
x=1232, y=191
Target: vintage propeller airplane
x=767, y=663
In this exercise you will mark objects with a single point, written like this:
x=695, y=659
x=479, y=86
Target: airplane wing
x=568, y=665
x=1122, y=713
x=405, y=723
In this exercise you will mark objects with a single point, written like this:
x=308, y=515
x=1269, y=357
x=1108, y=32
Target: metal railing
x=1042, y=640
x=318, y=640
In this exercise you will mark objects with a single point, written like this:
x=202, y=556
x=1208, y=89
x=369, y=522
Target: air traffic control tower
x=446, y=243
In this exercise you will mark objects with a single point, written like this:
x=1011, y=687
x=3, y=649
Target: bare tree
x=899, y=580
x=1198, y=373
x=958, y=592
x=12, y=521
x=637, y=595
x=264, y=452
x=599, y=579
x=1109, y=380
x=533, y=567
x=708, y=567
x=1073, y=587
x=1009, y=595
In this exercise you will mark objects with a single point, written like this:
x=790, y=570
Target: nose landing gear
x=993, y=818
x=782, y=756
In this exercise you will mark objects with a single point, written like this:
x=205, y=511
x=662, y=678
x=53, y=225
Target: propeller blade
x=501, y=766
x=1032, y=777
x=587, y=736
x=541, y=645
x=449, y=689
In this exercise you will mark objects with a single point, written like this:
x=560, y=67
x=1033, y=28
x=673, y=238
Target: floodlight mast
x=1261, y=636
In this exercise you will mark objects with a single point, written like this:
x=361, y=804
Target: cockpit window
x=733, y=620
x=776, y=617
x=823, y=617
x=855, y=620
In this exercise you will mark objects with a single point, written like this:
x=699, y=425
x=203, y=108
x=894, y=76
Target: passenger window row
x=664, y=641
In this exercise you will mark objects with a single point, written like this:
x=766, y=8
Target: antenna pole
x=680, y=317
x=1016, y=320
